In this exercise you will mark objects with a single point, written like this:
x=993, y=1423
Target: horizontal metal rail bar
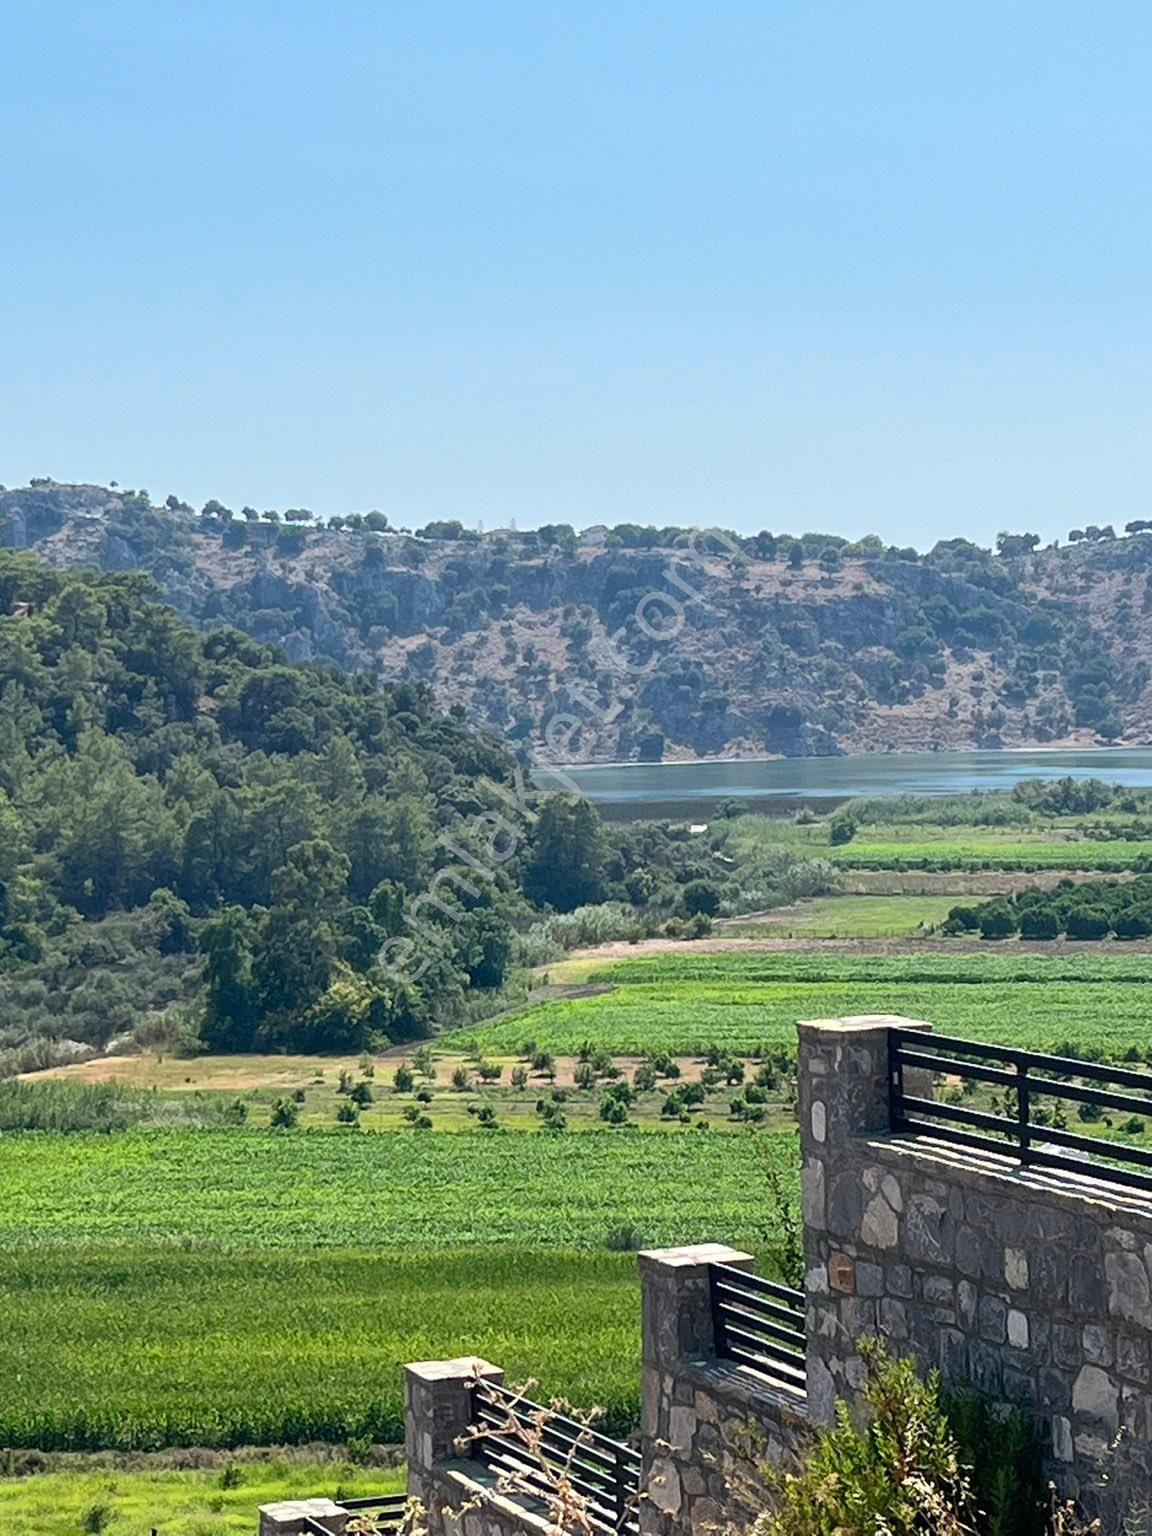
x=961, y=1114
x=1068, y=1066
x=1124, y=1103
x=1095, y=1146
x=946, y=1064
x=1037, y=1156
x=555, y=1440
x=524, y=1408
x=792, y=1374
x=777, y=1312
x=755, y=1327
x=730, y=1275
x=787, y=1349
x=605, y=1473
x=780, y=1298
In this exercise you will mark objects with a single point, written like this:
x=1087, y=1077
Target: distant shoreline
x=839, y=757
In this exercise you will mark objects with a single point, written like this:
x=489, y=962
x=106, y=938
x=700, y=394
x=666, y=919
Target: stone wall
x=1026, y=1285
x=707, y=1423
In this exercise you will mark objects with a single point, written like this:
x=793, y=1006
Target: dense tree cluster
x=278, y=819
x=186, y=818
x=1093, y=909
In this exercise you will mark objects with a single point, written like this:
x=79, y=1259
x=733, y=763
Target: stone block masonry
x=1030, y=1286
x=707, y=1423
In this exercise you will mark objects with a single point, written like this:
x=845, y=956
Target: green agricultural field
x=749, y=1003
x=847, y=917
x=220, y=1502
x=1056, y=844
x=1010, y=853
x=276, y=1190
x=244, y=1287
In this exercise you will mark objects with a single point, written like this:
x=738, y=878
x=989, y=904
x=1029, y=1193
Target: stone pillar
x=287, y=1518
x=842, y=1090
x=437, y=1411
x=676, y=1323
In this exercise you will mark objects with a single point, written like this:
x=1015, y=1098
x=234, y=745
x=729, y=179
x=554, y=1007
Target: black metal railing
x=758, y=1323
x=387, y=1512
x=604, y=1472
x=1025, y=1119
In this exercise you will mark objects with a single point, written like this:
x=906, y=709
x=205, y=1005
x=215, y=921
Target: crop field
x=244, y=1287
x=845, y=917
x=267, y=1190
x=993, y=853
x=913, y=845
x=136, y=1348
x=749, y=1003
x=209, y=1502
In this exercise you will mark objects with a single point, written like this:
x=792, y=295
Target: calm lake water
x=662, y=789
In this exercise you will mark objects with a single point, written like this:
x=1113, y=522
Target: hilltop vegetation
x=797, y=645
x=199, y=838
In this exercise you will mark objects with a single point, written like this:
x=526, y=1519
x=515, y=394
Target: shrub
x=402, y=1079
x=285, y=1115
x=900, y=1475
x=424, y=1062
x=1088, y=923
x=362, y=1095
x=842, y=829
x=1136, y=924
x=1038, y=924
x=997, y=921
x=700, y=896
x=962, y=920
x=460, y=1079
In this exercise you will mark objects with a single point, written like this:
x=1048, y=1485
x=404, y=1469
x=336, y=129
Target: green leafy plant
x=901, y=1475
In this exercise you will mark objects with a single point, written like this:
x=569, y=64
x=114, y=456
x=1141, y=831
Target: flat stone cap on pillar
x=463, y=1367
x=287, y=1518
x=862, y=1023
x=694, y=1257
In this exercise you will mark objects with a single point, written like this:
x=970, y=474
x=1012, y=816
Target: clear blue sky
x=876, y=265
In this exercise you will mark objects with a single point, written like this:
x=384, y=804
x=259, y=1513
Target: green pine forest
x=202, y=842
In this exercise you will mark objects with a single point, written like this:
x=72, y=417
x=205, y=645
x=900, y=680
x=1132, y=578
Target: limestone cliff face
x=651, y=651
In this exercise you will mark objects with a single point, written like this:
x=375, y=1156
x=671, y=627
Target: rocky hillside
x=641, y=643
